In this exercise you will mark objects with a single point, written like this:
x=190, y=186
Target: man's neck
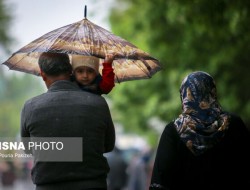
x=51, y=79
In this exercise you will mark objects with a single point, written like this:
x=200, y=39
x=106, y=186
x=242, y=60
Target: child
x=86, y=73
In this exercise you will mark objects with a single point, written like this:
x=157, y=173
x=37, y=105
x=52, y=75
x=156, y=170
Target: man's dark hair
x=54, y=64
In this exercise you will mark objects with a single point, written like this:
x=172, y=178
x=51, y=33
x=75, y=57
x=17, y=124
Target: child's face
x=84, y=75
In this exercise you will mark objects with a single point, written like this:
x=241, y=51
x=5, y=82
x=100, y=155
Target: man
x=66, y=111
x=117, y=177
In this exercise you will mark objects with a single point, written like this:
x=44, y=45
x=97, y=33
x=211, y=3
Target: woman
x=205, y=147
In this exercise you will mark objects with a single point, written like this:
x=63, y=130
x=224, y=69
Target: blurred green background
x=185, y=36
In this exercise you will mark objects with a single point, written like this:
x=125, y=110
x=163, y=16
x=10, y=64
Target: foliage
x=5, y=21
x=14, y=91
x=208, y=35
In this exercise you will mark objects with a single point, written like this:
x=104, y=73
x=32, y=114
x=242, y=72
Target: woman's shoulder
x=237, y=125
x=234, y=116
x=235, y=120
x=170, y=130
x=170, y=126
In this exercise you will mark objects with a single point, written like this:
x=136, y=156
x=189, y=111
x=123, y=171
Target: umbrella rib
x=113, y=40
x=96, y=30
x=142, y=69
x=52, y=40
x=117, y=41
x=99, y=35
x=57, y=36
x=143, y=65
x=89, y=30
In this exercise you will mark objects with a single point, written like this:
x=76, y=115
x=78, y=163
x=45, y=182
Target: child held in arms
x=86, y=73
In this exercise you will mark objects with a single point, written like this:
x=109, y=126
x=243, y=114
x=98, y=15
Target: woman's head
x=198, y=90
x=202, y=122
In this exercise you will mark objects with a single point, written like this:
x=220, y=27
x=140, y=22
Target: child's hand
x=109, y=58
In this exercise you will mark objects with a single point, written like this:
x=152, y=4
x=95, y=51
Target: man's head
x=54, y=66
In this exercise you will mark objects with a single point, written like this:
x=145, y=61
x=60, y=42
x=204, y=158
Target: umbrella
x=86, y=38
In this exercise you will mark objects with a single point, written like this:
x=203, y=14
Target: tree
x=5, y=21
x=14, y=88
x=208, y=35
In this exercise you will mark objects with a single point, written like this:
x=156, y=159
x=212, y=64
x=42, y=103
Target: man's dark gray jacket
x=66, y=111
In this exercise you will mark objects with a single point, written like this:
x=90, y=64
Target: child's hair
x=88, y=61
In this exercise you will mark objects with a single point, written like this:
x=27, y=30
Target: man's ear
x=43, y=75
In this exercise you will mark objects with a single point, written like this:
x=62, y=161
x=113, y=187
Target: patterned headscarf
x=202, y=123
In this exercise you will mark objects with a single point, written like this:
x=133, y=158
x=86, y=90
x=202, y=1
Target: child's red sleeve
x=108, y=78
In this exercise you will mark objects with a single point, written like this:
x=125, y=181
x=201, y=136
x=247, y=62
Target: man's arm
x=24, y=130
x=109, y=133
x=23, y=127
